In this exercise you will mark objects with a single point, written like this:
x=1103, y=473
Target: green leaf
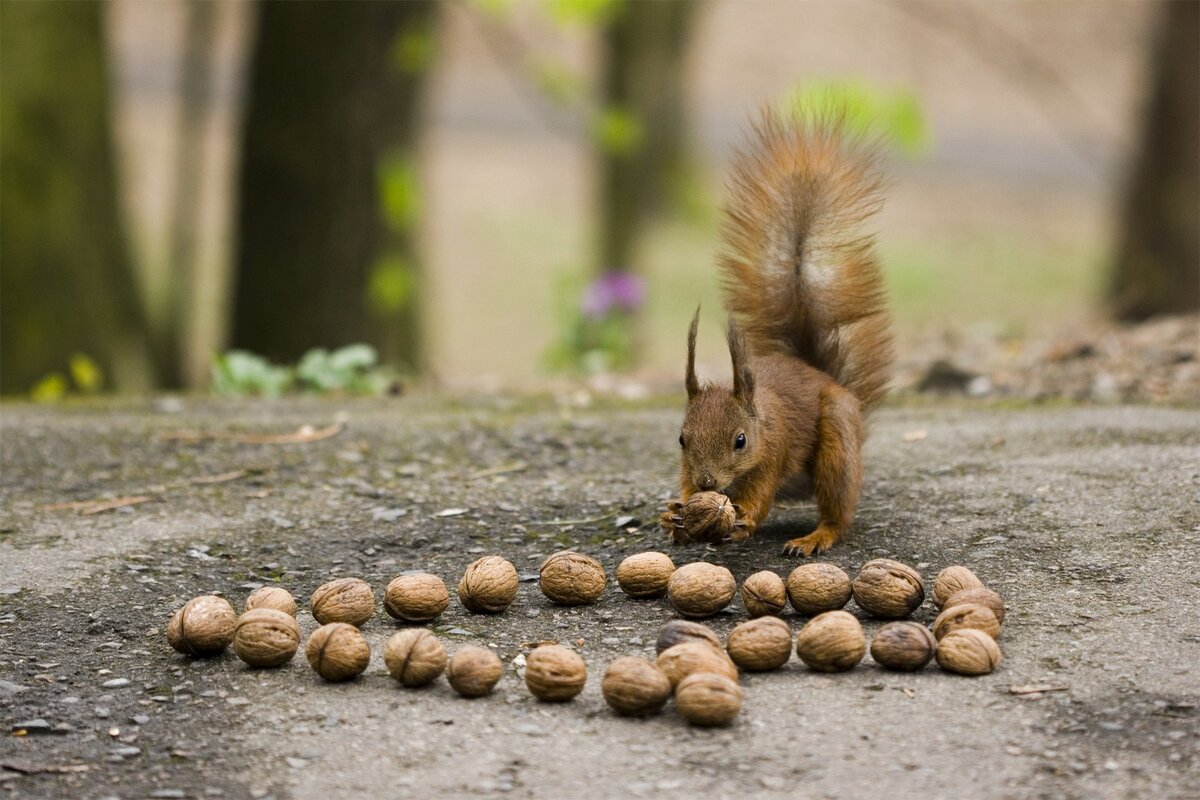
x=589, y=13
x=390, y=286
x=86, y=374
x=497, y=9
x=617, y=131
x=557, y=81
x=354, y=357
x=867, y=110
x=49, y=389
x=413, y=49
x=239, y=373
x=400, y=191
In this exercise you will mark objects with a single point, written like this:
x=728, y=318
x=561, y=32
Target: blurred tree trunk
x=645, y=48
x=66, y=286
x=1158, y=265
x=328, y=195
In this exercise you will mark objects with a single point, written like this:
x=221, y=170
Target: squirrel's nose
x=707, y=482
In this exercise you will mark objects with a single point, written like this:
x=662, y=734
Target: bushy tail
x=800, y=276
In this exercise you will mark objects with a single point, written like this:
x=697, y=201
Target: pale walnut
x=338, y=651
x=489, y=585
x=888, y=589
x=968, y=652
x=474, y=671
x=555, y=673
x=761, y=644
x=979, y=596
x=645, y=575
x=683, y=659
x=701, y=589
x=572, y=579
x=266, y=637
x=903, y=646
x=966, y=615
x=763, y=593
x=203, y=626
x=348, y=600
x=678, y=631
x=275, y=597
x=633, y=687
x=817, y=588
x=414, y=657
x=416, y=598
x=708, y=699
x=952, y=580
x=831, y=642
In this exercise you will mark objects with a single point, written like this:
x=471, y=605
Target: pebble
x=102, y=713
x=297, y=763
x=115, y=683
x=8, y=687
x=126, y=752
x=38, y=725
x=237, y=701
x=140, y=719
x=168, y=794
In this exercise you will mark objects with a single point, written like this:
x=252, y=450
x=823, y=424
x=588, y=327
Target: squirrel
x=809, y=333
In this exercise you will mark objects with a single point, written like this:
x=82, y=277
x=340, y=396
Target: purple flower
x=620, y=291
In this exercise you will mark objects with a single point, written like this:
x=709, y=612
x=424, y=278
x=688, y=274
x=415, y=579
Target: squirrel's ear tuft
x=691, y=382
x=743, y=377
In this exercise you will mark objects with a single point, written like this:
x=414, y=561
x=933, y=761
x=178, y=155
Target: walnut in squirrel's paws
x=705, y=517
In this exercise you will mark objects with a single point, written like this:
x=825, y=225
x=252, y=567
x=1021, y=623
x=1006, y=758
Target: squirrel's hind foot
x=817, y=542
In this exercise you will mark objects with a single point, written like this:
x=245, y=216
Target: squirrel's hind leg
x=836, y=471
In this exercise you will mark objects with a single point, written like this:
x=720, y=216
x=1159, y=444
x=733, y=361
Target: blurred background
x=265, y=197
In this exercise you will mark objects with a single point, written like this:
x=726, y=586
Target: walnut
x=203, y=627
x=683, y=659
x=266, y=637
x=888, y=589
x=474, y=671
x=701, y=589
x=763, y=593
x=489, y=585
x=348, y=600
x=968, y=652
x=414, y=657
x=416, y=598
x=979, y=596
x=952, y=580
x=904, y=646
x=708, y=699
x=633, y=687
x=338, y=651
x=966, y=615
x=645, y=575
x=275, y=597
x=831, y=642
x=678, y=631
x=816, y=588
x=761, y=644
x=572, y=579
x=705, y=517
x=555, y=673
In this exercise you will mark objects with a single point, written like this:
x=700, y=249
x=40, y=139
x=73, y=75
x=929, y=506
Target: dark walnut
x=204, y=626
x=888, y=589
x=489, y=586
x=633, y=687
x=763, y=593
x=903, y=646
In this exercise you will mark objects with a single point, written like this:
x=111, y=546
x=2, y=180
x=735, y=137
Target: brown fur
x=808, y=334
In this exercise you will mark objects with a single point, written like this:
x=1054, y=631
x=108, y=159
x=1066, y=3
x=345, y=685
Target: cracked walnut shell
x=831, y=642
x=888, y=589
x=572, y=579
x=633, y=687
x=416, y=598
x=348, y=600
x=489, y=585
x=645, y=575
x=968, y=652
x=816, y=588
x=761, y=644
x=555, y=673
x=338, y=651
x=266, y=637
x=701, y=589
x=203, y=626
x=414, y=657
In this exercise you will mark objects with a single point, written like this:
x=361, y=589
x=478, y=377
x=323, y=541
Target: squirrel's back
x=800, y=275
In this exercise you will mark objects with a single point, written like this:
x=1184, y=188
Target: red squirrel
x=809, y=333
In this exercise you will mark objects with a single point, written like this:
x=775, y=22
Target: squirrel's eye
x=681, y=444
x=739, y=442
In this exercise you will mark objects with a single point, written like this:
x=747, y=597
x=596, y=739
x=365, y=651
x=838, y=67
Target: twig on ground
x=302, y=435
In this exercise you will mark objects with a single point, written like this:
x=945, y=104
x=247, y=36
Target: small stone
x=296, y=763
x=32, y=726
x=115, y=683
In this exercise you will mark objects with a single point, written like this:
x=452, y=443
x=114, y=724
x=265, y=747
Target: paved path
x=1086, y=519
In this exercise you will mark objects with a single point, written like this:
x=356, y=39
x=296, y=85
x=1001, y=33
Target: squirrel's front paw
x=672, y=522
